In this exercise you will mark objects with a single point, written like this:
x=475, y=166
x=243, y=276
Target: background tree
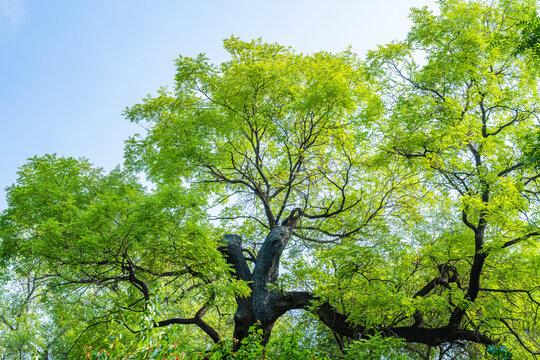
x=110, y=253
x=465, y=120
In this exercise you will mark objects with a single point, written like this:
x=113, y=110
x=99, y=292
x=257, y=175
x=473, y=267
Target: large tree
x=396, y=196
x=288, y=137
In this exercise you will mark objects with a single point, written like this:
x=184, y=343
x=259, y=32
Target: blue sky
x=68, y=68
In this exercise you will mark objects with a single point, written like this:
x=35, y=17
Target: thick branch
x=472, y=291
x=448, y=275
x=137, y=282
x=192, y=321
x=196, y=320
x=338, y=322
x=233, y=252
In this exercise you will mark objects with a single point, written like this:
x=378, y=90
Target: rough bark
x=338, y=322
x=260, y=306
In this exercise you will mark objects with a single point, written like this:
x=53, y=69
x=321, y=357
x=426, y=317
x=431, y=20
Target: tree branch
x=196, y=320
x=233, y=252
x=516, y=240
x=339, y=323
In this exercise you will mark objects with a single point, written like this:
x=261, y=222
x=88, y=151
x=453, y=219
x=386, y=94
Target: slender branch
x=521, y=238
x=518, y=338
x=196, y=320
x=510, y=291
x=467, y=222
x=510, y=169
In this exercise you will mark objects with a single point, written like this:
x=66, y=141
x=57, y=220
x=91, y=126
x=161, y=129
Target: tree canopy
x=378, y=208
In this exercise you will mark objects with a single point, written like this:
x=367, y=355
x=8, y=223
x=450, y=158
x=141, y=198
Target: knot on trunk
x=448, y=275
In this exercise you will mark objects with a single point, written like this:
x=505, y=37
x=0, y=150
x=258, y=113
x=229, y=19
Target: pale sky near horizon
x=69, y=68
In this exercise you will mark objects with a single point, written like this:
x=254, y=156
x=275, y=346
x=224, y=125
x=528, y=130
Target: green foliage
x=144, y=346
x=148, y=345
x=407, y=168
x=377, y=348
x=258, y=123
x=530, y=35
x=499, y=352
x=251, y=347
x=296, y=345
x=101, y=239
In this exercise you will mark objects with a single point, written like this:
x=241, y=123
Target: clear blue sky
x=68, y=68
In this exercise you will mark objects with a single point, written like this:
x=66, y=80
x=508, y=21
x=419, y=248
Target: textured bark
x=260, y=306
x=244, y=316
x=265, y=273
x=338, y=322
x=232, y=249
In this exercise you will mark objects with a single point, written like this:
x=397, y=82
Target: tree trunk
x=260, y=308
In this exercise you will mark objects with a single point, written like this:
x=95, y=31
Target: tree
x=396, y=196
x=106, y=247
x=284, y=133
x=465, y=119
